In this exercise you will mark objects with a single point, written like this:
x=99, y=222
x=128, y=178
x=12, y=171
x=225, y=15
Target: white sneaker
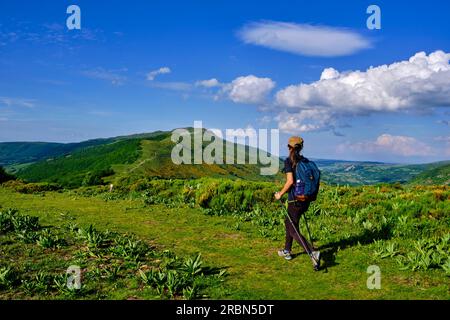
x=315, y=255
x=284, y=253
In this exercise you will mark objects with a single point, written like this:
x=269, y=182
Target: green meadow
x=217, y=238
x=212, y=231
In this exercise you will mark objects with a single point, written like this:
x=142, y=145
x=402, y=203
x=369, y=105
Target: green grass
x=34, y=260
x=346, y=222
x=71, y=170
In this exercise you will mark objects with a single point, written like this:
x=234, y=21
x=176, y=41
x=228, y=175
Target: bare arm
x=287, y=185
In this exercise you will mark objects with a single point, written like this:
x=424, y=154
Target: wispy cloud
x=175, y=86
x=17, y=102
x=210, y=83
x=444, y=142
x=153, y=74
x=393, y=145
x=304, y=39
x=47, y=34
x=264, y=120
x=115, y=77
x=58, y=33
x=445, y=139
x=168, y=85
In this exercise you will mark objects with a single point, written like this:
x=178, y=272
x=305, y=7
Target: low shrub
x=30, y=188
x=4, y=176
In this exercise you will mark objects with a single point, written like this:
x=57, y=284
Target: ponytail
x=295, y=154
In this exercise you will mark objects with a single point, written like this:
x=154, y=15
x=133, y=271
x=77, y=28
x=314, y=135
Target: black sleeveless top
x=288, y=167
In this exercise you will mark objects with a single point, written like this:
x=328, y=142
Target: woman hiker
x=295, y=208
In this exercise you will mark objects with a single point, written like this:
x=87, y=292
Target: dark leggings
x=295, y=211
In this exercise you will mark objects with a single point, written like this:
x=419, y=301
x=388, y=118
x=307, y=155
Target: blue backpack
x=307, y=180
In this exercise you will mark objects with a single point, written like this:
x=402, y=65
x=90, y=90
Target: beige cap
x=295, y=140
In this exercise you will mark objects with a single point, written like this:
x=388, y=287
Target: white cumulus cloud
x=304, y=39
x=303, y=121
x=249, y=89
x=153, y=74
x=244, y=89
x=421, y=82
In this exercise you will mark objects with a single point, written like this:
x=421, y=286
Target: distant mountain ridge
x=25, y=152
x=148, y=155
x=366, y=172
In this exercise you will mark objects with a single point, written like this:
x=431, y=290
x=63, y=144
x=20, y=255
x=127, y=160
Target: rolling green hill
x=434, y=175
x=72, y=169
x=16, y=155
x=130, y=158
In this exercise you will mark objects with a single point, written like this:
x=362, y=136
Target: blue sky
x=264, y=62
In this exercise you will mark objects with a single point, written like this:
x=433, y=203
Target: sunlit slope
x=71, y=169
x=134, y=157
x=435, y=175
x=156, y=161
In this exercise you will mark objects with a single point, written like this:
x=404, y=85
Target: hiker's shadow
x=215, y=270
x=364, y=238
x=295, y=255
x=329, y=250
x=328, y=257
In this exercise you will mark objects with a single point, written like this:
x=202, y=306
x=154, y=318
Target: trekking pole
x=305, y=246
x=309, y=233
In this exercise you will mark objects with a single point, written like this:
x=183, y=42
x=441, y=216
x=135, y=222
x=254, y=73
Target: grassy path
x=256, y=272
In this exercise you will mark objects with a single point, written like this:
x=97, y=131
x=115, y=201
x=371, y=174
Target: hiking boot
x=315, y=255
x=286, y=254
